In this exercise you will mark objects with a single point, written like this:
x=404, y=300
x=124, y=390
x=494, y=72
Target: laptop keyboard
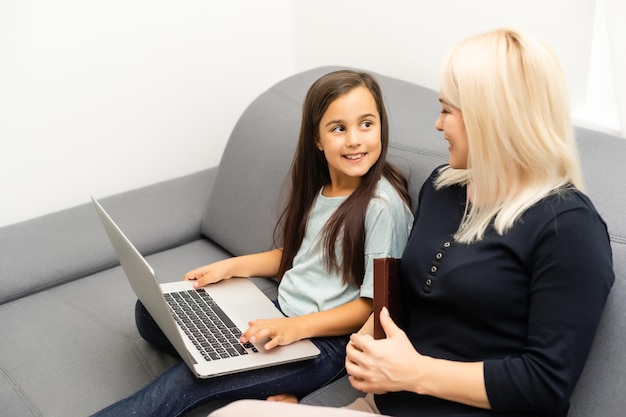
x=206, y=324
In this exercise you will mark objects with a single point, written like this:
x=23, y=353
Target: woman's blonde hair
x=512, y=93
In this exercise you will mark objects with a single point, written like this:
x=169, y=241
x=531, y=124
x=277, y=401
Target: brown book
x=387, y=292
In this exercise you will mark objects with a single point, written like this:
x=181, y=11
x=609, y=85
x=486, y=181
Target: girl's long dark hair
x=309, y=173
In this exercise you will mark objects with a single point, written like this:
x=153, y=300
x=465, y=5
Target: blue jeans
x=177, y=390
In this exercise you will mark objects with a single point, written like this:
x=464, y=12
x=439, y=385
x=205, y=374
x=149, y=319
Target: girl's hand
x=380, y=366
x=210, y=274
x=281, y=331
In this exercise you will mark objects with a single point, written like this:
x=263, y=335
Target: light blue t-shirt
x=308, y=287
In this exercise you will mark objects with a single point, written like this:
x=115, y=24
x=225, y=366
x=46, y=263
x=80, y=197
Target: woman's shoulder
x=438, y=170
x=567, y=198
x=452, y=186
x=567, y=204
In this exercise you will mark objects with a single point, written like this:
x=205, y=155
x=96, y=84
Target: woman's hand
x=281, y=331
x=379, y=366
x=393, y=364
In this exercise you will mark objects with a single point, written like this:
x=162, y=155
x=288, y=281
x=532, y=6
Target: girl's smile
x=355, y=157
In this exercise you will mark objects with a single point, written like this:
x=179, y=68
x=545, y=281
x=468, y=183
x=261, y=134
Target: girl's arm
x=368, y=327
x=337, y=321
x=264, y=264
x=392, y=364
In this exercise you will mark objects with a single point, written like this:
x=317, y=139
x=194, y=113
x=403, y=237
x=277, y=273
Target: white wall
x=408, y=39
x=97, y=97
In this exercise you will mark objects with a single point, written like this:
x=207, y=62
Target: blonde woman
x=508, y=266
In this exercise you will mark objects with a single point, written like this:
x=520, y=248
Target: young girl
x=347, y=206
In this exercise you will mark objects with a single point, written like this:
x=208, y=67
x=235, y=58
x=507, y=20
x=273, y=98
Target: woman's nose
x=439, y=122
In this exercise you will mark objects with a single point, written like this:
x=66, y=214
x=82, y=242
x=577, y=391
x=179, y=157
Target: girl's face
x=450, y=122
x=349, y=136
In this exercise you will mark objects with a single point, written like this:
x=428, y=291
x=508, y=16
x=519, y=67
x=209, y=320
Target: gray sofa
x=68, y=344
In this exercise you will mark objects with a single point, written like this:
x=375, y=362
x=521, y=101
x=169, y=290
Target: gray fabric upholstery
x=69, y=345
x=600, y=390
x=63, y=246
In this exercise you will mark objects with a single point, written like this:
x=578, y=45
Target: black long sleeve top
x=527, y=303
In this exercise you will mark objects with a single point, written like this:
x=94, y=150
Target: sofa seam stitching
x=29, y=403
x=144, y=360
x=617, y=239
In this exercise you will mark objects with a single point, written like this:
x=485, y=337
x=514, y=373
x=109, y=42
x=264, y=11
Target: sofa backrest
x=252, y=176
x=70, y=244
x=251, y=185
x=600, y=391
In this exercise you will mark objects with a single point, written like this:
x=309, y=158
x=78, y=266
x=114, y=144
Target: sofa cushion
x=60, y=247
x=80, y=349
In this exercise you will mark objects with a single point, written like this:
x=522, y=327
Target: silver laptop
x=207, y=336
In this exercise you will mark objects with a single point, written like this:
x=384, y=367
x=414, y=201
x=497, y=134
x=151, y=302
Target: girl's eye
x=366, y=124
x=337, y=129
x=444, y=111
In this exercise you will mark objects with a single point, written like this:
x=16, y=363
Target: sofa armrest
x=66, y=245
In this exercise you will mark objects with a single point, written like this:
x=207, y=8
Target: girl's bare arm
x=264, y=264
